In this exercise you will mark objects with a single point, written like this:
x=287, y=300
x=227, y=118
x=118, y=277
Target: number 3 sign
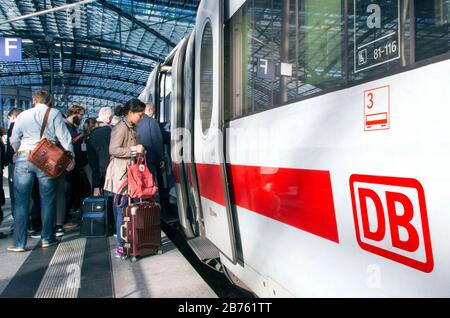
x=377, y=108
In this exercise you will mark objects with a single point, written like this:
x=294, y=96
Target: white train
x=310, y=144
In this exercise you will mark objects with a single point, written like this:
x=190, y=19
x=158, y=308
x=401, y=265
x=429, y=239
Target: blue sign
x=10, y=49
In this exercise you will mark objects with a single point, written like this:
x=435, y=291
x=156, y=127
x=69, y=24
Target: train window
x=280, y=51
x=432, y=36
x=378, y=37
x=206, y=78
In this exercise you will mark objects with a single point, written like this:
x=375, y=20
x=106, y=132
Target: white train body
x=341, y=193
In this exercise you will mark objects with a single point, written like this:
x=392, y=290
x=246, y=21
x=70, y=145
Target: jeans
x=24, y=175
x=118, y=213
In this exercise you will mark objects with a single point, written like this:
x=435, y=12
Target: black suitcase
x=96, y=217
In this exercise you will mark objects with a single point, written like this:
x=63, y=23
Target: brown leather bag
x=48, y=157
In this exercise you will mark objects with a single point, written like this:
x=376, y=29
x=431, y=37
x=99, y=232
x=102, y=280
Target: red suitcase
x=141, y=229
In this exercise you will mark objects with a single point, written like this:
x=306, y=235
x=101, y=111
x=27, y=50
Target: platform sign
x=377, y=33
x=10, y=49
x=377, y=109
x=266, y=69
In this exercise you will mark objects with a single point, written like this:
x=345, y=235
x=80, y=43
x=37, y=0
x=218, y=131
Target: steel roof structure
x=100, y=53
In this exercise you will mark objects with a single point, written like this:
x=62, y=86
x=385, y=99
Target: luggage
x=96, y=217
x=141, y=229
x=139, y=183
x=49, y=158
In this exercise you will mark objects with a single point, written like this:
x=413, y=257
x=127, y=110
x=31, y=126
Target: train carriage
x=309, y=144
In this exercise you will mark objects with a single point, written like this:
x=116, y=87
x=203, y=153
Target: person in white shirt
x=25, y=137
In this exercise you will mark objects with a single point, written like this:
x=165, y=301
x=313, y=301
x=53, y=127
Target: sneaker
x=16, y=249
x=36, y=234
x=49, y=243
x=59, y=232
x=119, y=252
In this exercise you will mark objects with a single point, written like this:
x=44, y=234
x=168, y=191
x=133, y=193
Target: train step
x=206, y=252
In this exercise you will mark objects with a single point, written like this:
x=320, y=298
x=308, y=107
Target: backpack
x=139, y=182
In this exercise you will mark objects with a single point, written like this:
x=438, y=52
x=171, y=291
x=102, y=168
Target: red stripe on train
x=210, y=182
x=297, y=197
x=176, y=172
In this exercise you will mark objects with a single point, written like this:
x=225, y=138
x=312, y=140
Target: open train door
x=209, y=128
x=151, y=91
x=177, y=138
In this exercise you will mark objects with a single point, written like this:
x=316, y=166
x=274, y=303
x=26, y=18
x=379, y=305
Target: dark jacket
x=77, y=141
x=9, y=149
x=98, y=154
x=2, y=155
x=151, y=138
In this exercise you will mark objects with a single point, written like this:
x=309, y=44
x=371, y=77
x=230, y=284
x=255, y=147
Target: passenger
x=74, y=182
x=118, y=115
x=166, y=180
x=98, y=149
x=86, y=172
x=61, y=206
x=89, y=125
x=2, y=165
x=151, y=110
x=35, y=226
x=123, y=146
x=25, y=137
x=12, y=116
x=151, y=138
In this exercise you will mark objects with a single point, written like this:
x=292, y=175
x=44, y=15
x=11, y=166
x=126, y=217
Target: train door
x=209, y=124
x=151, y=91
x=164, y=109
x=195, y=216
x=177, y=136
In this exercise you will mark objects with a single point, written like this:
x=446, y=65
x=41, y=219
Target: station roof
x=102, y=51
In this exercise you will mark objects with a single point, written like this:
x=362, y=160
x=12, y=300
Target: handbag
x=48, y=157
x=139, y=181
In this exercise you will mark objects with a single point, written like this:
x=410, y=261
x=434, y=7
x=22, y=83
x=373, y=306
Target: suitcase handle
x=124, y=226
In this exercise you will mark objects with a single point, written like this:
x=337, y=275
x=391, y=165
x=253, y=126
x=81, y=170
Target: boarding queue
x=59, y=164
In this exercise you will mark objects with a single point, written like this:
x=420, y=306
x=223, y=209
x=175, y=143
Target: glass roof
x=99, y=52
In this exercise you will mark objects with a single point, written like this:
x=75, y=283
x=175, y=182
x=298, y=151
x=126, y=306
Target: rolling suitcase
x=141, y=229
x=96, y=217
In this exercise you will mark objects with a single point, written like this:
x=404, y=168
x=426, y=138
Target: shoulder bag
x=48, y=157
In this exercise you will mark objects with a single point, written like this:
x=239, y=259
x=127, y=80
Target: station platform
x=82, y=267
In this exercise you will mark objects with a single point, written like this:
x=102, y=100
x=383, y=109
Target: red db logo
x=391, y=219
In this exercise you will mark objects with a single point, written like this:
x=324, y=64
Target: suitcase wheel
x=133, y=259
x=160, y=252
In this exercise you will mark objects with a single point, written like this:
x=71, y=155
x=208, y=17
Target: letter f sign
x=10, y=49
x=9, y=44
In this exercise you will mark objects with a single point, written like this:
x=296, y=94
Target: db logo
x=391, y=219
